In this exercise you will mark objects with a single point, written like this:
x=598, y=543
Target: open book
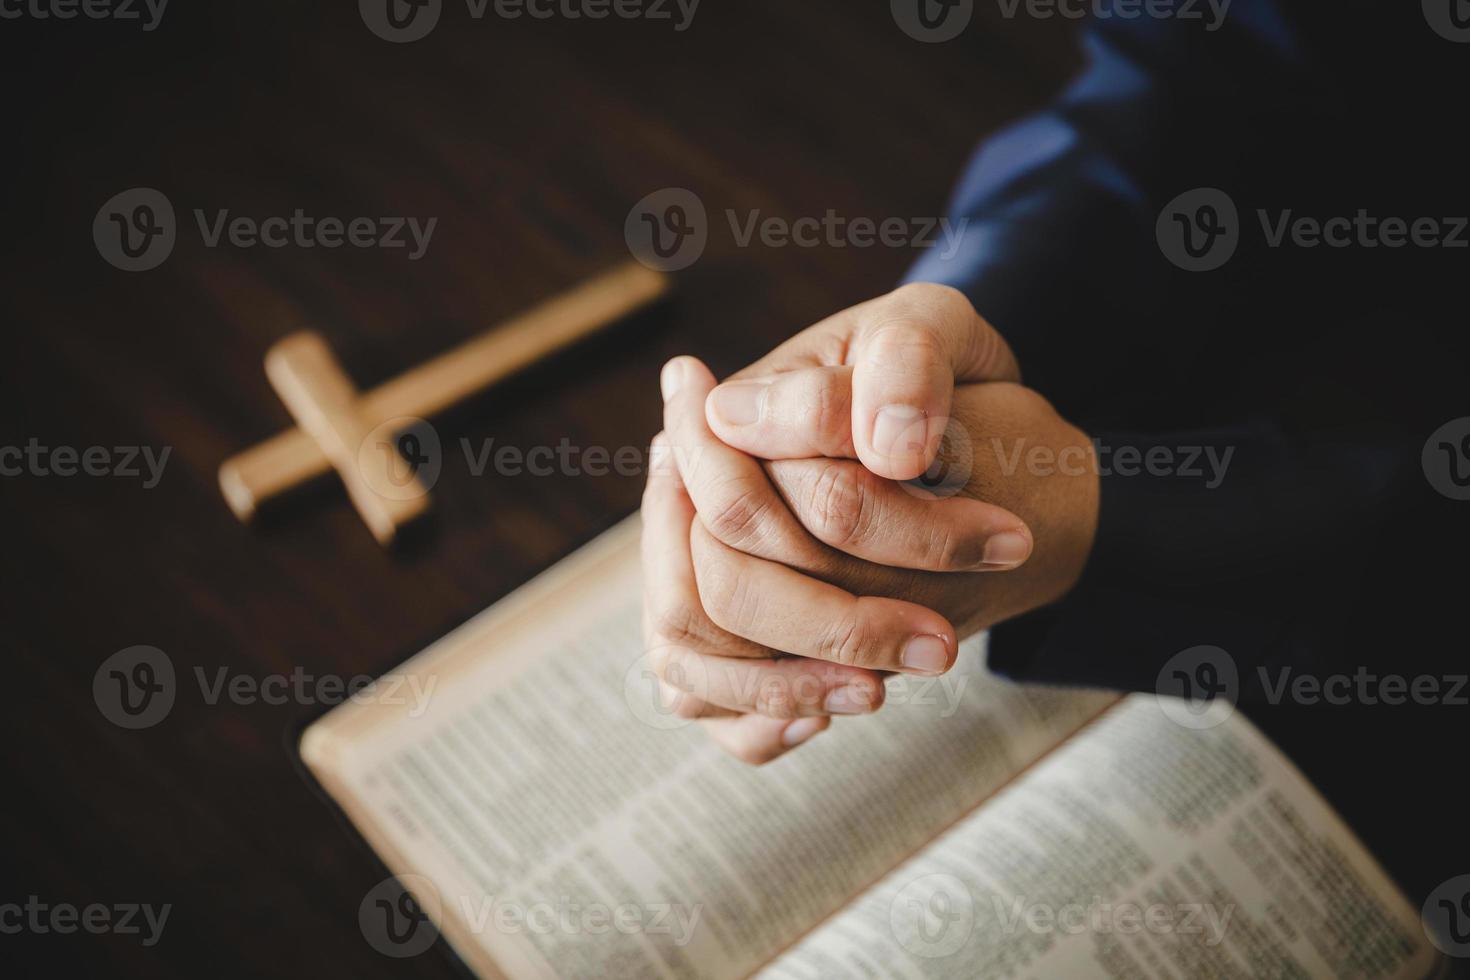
x=524, y=781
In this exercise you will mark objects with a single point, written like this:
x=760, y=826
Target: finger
x=845, y=505
x=907, y=353
x=757, y=740
x=672, y=615
x=729, y=489
x=804, y=414
x=786, y=687
x=694, y=657
x=682, y=704
x=792, y=415
x=780, y=608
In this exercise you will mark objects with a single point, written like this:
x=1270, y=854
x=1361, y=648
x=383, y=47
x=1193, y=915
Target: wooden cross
x=336, y=423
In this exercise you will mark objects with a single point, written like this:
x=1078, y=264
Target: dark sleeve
x=1289, y=544
x=1057, y=212
x=1292, y=556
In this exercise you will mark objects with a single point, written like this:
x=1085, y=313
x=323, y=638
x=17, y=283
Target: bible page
x=1142, y=848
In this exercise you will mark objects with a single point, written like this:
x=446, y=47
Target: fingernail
x=739, y=403
x=847, y=701
x=1007, y=549
x=926, y=653
x=799, y=731
x=671, y=378
x=898, y=430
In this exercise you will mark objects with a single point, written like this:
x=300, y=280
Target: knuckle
x=950, y=551
x=839, y=509
x=844, y=642
x=905, y=346
x=831, y=411
x=739, y=517
x=931, y=298
x=732, y=603
x=775, y=699
x=675, y=624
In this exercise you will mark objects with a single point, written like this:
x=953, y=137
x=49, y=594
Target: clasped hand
x=851, y=505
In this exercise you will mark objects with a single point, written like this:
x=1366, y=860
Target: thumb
x=909, y=349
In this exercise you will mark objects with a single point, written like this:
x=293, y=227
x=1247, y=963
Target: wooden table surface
x=529, y=141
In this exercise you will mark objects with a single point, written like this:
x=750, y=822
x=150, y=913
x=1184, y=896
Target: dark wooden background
x=529, y=141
